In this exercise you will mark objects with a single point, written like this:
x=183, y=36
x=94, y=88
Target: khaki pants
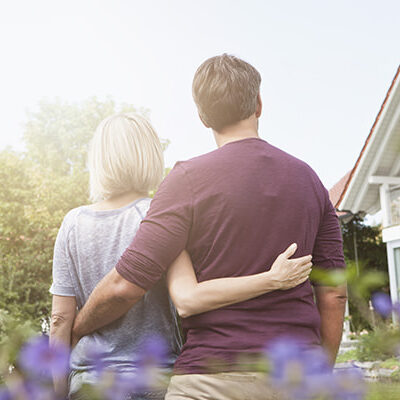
x=222, y=386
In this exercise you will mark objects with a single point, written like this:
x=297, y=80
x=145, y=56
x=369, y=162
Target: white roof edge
x=355, y=176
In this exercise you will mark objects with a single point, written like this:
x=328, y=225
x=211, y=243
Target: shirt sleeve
x=163, y=233
x=62, y=283
x=328, y=247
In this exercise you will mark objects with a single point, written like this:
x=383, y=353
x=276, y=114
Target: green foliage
x=57, y=136
x=350, y=355
x=390, y=363
x=13, y=333
x=370, y=248
x=372, y=259
x=360, y=284
x=379, y=344
x=39, y=187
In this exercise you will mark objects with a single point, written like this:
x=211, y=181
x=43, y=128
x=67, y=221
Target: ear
x=202, y=120
x=259, y=106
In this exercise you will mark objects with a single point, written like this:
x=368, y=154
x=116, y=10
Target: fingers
x=290, y=250
x=305, y=269
x=303, y=274
x=302, y=260
x=302, y=279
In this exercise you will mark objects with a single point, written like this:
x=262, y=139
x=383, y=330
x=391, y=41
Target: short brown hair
x=225, y=90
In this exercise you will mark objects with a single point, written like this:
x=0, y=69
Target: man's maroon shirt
x=235, y=210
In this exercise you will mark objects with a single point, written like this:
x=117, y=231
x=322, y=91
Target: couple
x=211, y=238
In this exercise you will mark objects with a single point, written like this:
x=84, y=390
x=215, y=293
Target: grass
x=350, y=355
x=383, y=391
x=390, y=363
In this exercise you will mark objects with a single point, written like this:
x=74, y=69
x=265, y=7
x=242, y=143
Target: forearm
x=111, y=299
x=195, y=298
x=331, y=305
x=191, y=297
x=60, y=333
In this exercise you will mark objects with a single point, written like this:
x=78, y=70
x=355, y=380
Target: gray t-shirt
x=88, y=246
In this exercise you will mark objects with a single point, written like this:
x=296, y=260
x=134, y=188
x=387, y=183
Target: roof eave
x=343, y=202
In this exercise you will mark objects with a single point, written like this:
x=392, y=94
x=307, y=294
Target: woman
x=125, y=164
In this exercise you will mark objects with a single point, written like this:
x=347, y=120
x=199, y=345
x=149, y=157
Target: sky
x=325, y=66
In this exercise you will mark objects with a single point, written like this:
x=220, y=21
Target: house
x=374, y=182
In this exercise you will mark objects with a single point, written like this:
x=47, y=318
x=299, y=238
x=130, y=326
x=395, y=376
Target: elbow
x=184, y=312
x=123, y=291
x=340, y=295
x=333, y=298
x=184, y=306
x=60, y=321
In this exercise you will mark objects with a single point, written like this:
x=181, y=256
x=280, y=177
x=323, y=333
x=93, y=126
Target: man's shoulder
x=205, y=162
x=295, y=163
x=190, y=167
x=200, y=160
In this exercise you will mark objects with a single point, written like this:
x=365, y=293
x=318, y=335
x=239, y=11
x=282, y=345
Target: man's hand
x=288, y=272
x=74, y=340
x=111, y=299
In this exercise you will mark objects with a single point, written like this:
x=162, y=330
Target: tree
x=364, y=243
x=39, y=187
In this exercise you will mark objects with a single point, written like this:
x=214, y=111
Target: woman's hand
x=289, y=272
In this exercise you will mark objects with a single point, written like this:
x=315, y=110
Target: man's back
x=235, y=209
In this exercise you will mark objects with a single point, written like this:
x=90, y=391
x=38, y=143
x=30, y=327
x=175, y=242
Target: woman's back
x=88, y=246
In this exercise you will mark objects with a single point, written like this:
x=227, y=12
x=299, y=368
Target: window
x=395, y=207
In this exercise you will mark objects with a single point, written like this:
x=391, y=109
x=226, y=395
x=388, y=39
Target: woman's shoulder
x=143, y=205
x=71, y=217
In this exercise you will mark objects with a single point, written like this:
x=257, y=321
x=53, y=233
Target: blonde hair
x=125, y=155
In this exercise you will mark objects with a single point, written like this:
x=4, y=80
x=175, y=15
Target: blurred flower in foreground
x=302, y=374
x=5, y=394
x=349, y=385
x=38, y=359
x=121, y=388
x=382, y=304
x=112, y=385
x=154, y=351
x=96, y=357
x=27, y=390
x=152, y=357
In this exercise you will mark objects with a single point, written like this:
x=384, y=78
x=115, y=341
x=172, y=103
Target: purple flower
x=349, y=385
x=97, y=358
x=28, y=390
x=154, y=352
x=382, y=304
x=5, y=394
x=304, y=374
x=301, y=373
x=122, y=387
x=39, y=359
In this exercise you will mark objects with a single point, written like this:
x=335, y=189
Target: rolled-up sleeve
x=163, y=233
x=328, y=247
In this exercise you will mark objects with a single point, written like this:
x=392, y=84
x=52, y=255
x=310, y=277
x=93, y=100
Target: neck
x=117, y=201
x=247, y=128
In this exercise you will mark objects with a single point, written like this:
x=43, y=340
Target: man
x=234, y=210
